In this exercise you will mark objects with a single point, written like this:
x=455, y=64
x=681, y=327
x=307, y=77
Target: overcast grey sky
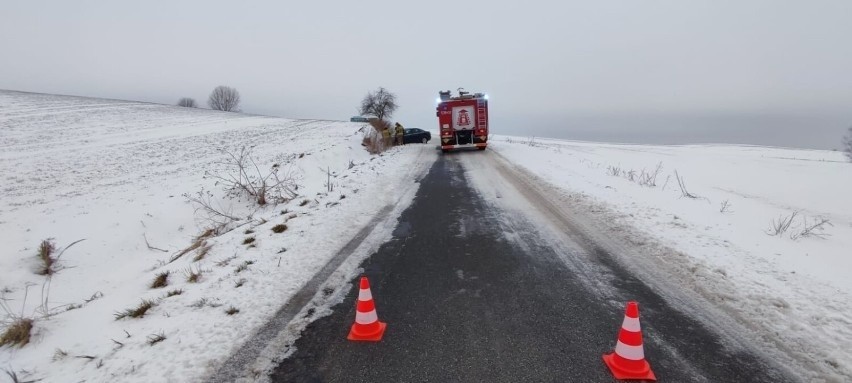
x=773, y=72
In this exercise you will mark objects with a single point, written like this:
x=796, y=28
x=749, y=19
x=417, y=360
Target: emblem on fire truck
x=464, y=118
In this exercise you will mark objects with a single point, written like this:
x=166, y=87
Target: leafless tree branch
x=149, y=245
x=203, y=201
x=683, y=191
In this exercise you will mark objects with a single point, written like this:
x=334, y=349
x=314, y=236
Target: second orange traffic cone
x=628, y=360
x=367, y=326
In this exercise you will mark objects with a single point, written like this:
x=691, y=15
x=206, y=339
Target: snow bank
x=793, y=291
x=115, y=173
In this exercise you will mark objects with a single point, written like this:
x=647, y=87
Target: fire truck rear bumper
x=448, y=147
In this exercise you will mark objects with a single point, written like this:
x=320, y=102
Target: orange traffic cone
x=367, y=326
x=628, y=360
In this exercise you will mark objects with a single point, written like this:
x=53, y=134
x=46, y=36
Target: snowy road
x=486, y=279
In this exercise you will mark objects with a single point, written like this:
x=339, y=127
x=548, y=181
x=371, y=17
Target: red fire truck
x=463, y=120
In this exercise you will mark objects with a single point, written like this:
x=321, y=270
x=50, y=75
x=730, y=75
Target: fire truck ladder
x=481, y=122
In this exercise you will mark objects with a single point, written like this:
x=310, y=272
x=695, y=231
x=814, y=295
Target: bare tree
x=224, y=98
x=847, y=144
x=187, y=102
x=380, y=103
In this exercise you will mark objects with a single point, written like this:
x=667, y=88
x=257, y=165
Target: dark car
x=414, y=135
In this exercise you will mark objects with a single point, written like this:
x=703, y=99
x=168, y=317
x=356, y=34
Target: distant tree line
x=222, y=98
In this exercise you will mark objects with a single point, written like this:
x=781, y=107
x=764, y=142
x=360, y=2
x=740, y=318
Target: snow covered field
x=792, y=291
x=114, y=174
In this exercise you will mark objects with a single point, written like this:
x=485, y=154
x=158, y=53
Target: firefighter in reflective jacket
x=400, y=132
x=386, y=137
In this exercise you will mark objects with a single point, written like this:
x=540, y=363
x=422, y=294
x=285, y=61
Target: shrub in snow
x=48, y=256
x=224, y=98
x=243, y=177
x=161, y=280
x=807, y=229
x=136, y=312
x=781, y=225
x=815, y=228
x=187, y=102
x=156, y=338
x=17, y=333
x=649, y=179
x=46, y=252
x=202, y=252
x=643, y=178
x=614, y=171
x=193, y=275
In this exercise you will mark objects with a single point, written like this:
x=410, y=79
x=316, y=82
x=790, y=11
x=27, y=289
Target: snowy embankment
x=118, y=175
x=792, y=289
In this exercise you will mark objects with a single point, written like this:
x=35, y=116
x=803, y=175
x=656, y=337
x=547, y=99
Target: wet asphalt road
x=465, y=304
